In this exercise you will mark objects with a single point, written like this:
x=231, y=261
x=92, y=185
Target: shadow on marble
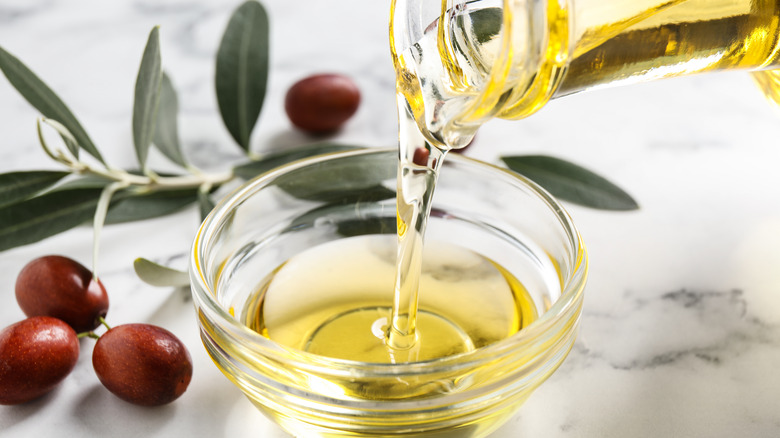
x=103, y=413
x=10, y=416
x=289, y=139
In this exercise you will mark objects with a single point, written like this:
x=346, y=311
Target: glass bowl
x=351, y=195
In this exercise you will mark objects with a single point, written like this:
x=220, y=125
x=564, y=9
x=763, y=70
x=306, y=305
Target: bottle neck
x=629, y=41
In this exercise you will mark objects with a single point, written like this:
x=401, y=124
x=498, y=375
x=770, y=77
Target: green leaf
x=372, y=225
x=342, y=180
x=135, y=207
x=147, y=96
x=571, y=182
x=159, y=275
x=84, y=182
x=364, y=188
x=43, y=216
x=242, y=70
x=358, y=174
x=166, y=131
x=97, y=181
x=18, y=186
x=40, y=96
x=59, y=210
x=372, y=206
x=205, y=204
x=273, y=160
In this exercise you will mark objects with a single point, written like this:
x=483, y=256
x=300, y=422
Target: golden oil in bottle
x=492, y=58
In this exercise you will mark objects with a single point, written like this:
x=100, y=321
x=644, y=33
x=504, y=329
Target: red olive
x=321, y=103
x=142, y=364
x=420, y=156
x=62, y=288
x=35, y=355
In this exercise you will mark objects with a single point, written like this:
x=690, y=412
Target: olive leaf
x=84, y=182
x=353, y=182
x=205, y=203
x=166, y=131
x=158, y=275
x=242, y=70
x=358, y=174
x=74, y=203
x=42, y=98
x=371, y=225
x=342, y=210
x=355, y=175
x=136, y=207
x=276, y=159
x=147, y=96
x=571, y=182
x=18, y=186
x=43, y=216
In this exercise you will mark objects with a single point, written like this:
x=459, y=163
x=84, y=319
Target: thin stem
x=92, y=335
x=150, y=181
x=157, y=182
x=100, y=220
x=206, y=187
x=103, y=321
x=59, y=156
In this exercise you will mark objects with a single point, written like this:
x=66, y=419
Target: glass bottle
x=460, y=63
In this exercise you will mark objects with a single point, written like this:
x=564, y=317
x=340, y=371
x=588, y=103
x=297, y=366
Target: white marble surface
x=681, y=326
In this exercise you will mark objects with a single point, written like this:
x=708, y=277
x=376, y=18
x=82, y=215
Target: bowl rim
x=565, y=307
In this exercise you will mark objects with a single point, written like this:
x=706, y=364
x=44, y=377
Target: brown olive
x=62, y=288
x=142, y=364
x=420, y=156
x=320, y=104
x=36, y=354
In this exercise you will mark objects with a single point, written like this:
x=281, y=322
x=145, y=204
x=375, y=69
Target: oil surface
x=336, y=300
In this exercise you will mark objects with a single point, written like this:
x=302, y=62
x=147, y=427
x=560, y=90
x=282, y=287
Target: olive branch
x=37, y=204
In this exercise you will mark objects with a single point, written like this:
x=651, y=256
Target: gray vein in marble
x=209, y=154
x=699, y=144
x=156, y=8
x=9, y=14
x=184, y=34
x=721, y=316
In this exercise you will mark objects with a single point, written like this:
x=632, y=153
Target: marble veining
x=710, y=326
